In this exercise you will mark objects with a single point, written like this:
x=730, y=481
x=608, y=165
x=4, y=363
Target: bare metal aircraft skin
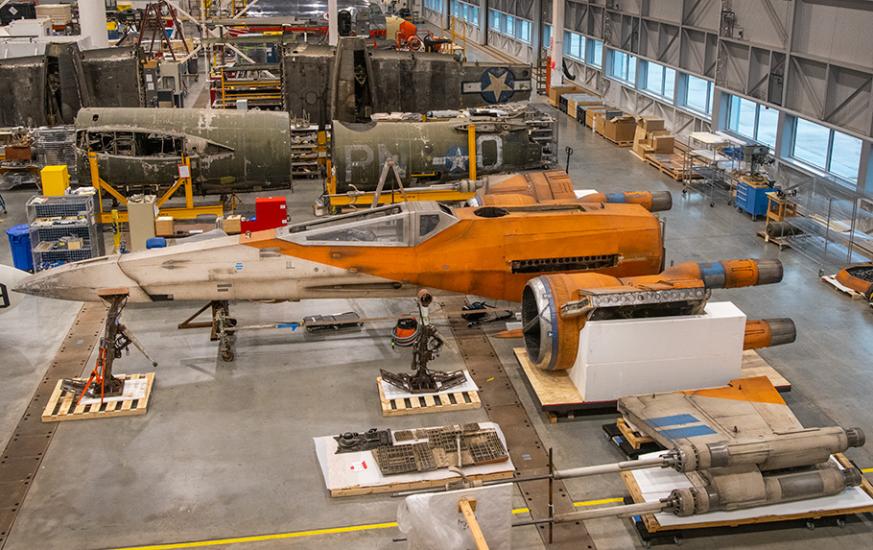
x=508, y=138
x=742, y=447
x=229, y=150
x=384, y=252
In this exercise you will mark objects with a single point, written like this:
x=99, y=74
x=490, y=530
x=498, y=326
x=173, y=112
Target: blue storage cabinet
x=752, y=199
x=19, y=243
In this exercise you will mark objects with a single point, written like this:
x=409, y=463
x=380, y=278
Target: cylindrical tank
x=92, y=21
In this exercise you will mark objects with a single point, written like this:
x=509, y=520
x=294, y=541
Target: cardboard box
x=617, y=129
x=55, y=180
x=650, y=124
x=662, y=144
x=555, y=92
x=232, y=225
x=165, y=226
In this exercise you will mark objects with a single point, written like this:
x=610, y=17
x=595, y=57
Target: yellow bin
x=55, y=180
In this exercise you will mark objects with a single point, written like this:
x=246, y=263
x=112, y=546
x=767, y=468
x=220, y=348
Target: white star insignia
x=497, y=85
x=457, y=162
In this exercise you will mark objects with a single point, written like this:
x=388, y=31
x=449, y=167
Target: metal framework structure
x=806, y=58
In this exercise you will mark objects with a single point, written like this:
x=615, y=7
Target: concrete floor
x=225, y=449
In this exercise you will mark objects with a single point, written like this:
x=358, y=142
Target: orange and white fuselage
x=384, y=252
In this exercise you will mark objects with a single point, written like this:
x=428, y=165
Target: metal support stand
x=222, y=327
x=115, y=340
x=426, y=348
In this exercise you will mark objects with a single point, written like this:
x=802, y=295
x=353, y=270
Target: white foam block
x=133, y=389
x=633, y=356
x=656, y=483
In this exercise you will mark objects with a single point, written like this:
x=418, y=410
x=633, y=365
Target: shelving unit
x=63, y=229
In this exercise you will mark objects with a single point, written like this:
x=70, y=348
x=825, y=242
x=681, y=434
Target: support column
x=536, y=33
x=332, y=23
x=92, y=22
x=556, y=52
x=447, y=14
x=483, y=21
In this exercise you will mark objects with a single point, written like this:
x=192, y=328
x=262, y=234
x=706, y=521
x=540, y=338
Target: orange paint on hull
x=476, y=254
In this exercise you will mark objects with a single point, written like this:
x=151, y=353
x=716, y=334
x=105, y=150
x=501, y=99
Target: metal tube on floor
x=661, y=461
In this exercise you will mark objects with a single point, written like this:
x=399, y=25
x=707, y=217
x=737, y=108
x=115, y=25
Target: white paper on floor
x=133, y=389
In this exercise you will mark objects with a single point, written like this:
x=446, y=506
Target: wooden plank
x=449, y=401
x=653, y=526
x=416, y=485
x=67, y=411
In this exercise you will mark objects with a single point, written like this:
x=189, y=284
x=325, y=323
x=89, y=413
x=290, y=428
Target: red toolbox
x=270, y=212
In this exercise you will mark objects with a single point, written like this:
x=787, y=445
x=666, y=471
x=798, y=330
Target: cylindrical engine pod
x=551, y=332
x=653, y=201
x=746, y=490
x=769, y=332
x=791, y=450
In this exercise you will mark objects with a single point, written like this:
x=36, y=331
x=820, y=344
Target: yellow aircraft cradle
x=188, y=212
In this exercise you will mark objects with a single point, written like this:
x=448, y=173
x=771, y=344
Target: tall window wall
x=752, y=120
x=828, y=150
x=434, y=5
x=658, y=79
x=466, y=12
x=622, y=66
x=510, y=25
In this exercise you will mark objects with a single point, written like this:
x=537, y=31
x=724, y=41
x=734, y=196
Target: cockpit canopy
x=403, y=224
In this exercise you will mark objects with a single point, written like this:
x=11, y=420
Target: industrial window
x=434, y=5
x=659, y=80
x=622, y=66
x=522, y=30
x=834, y=152
x=547, y=35
x=594, y=53
x=574, y=45
x=509, y=25
x=697, y=94
x=753, y=120
x=466, y=12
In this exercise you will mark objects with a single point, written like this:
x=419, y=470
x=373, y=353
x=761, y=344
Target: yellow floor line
x=867, y=470
x=316, y=532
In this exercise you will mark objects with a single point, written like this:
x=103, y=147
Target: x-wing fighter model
x=739, y=446
x=555, y=307
x=389, y=251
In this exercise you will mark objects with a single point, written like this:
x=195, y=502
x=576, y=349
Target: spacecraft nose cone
x=78, y=281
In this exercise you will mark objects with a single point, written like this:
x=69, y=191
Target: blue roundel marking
x=456, y=159
x=713, y=274
x=498, y=84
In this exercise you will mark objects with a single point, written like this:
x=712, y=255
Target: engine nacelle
x=556, y=307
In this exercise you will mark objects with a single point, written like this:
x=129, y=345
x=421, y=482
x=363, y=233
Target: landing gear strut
x=223, y=328
x=115, y=340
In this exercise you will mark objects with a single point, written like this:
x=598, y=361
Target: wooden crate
x=633, y=437
x=446, y=402
x=651, y=524
x=62, y=405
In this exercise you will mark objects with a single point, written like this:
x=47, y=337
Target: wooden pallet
x=623, y=143
x=446, y=402
x=668, y=170
x=633, y=437
x=62, y=405
x=652, y=526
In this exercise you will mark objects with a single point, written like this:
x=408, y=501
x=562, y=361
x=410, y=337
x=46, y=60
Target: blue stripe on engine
x=690, y=431
x=672, y=420
x=615, y=197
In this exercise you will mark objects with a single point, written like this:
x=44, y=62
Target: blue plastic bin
x=156, y=242
x=19, y=243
